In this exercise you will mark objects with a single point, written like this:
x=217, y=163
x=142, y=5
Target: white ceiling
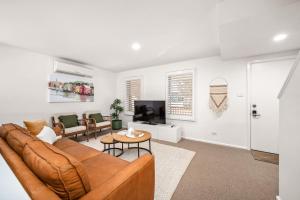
x=100, y=32
x=249, y=30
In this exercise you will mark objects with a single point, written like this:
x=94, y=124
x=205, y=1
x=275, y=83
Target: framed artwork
x=69, y=88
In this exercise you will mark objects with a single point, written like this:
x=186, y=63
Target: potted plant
x=117, y=109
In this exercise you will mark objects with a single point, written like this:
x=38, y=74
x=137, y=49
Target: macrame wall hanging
x=218, y=96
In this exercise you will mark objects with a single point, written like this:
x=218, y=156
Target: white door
x=266, y=80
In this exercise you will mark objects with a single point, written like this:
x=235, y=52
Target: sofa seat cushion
x=62, y=173
x=64, y=143
x=78, y=151
x=104, y=123
x=17, y=140
x=75, y=129
x=102, y=167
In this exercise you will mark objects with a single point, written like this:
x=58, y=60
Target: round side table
x=107, y=141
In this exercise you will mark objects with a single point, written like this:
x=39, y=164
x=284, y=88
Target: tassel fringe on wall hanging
x=218, y=97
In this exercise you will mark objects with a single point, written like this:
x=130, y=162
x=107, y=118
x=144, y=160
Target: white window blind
x=133, y=92
x=180, y=95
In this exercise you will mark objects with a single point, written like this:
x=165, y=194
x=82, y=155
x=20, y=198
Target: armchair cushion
x=69, y=121
x=97, y=116
x=75, y=129
x=104, y=123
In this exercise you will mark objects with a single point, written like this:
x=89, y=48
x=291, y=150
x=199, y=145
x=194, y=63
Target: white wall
x=289, y=137
x=231, y=126
x=23, y=94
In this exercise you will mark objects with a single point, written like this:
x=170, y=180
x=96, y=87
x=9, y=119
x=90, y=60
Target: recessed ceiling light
x=136, y=46
x=280, y=37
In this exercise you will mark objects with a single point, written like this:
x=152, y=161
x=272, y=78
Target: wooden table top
x=125, y=139
x=107, y=139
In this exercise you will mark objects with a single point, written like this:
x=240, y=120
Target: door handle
x=255, y=114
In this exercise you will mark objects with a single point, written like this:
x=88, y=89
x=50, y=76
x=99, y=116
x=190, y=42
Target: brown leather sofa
x=69, y=170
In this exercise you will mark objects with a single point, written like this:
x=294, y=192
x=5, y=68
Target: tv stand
x=149, y=123
x=159, y=131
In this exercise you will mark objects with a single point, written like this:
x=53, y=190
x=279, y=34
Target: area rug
x=170, y=164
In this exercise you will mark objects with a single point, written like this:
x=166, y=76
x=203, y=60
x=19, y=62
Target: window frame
x=181, y=117
x=127, y=112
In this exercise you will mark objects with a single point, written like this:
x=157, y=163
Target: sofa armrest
x=134, y=182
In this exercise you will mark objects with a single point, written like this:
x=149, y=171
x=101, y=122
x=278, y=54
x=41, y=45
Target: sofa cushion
x=97, y=116
x=17, y=140
x=8, y=127
x=102, y=167
x=62, y=173
x=3, y=132
x=78, y=151
x=35, y=127
x=69, y=120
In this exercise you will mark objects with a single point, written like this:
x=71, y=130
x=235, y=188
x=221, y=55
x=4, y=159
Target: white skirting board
x=217, y=143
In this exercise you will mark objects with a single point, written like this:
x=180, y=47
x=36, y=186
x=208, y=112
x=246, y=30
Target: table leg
x=150, y=146
x=109, y=148
x=104, y=147
x=138, y=149
x=122, y=146
x=114, y=153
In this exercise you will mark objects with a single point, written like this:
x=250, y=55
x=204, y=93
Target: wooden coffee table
x=124, y=139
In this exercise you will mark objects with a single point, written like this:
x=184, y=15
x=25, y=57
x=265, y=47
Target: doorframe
x=249, y=95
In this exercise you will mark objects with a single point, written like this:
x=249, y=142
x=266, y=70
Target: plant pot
x=116, y=124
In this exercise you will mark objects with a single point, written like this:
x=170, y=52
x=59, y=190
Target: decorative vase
x=116, y=124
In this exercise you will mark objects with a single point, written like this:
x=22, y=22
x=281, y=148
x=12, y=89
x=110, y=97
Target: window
x=133, y=92
x=180, y=97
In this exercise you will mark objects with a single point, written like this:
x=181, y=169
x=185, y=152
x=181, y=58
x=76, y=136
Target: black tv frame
x=151, y=122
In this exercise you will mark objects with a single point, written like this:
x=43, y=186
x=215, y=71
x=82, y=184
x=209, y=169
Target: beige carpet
x=223, y=173
x=170, y=164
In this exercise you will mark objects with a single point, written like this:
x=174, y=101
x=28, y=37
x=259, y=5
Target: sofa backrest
x=61, y=172
x=58, y=171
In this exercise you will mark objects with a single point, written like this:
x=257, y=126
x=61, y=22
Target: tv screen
x=152, y=112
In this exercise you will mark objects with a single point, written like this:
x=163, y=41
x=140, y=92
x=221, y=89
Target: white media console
x=160, y=131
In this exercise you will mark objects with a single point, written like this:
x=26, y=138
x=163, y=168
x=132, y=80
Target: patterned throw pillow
x=97, y=116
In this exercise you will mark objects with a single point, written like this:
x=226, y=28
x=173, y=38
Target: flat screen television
x=150, y=112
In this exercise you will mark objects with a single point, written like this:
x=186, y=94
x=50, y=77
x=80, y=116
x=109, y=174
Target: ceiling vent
x=73, y=69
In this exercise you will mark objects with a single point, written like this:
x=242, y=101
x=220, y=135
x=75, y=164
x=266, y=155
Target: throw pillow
x=98, y=117
x=69, y=121
x=35, y=127
x=48, y=135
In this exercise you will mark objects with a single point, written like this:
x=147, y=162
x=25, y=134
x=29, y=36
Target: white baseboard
x=217, y=143
x=278, y=198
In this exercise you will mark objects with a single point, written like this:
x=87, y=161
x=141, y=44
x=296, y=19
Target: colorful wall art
x=69, y=88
